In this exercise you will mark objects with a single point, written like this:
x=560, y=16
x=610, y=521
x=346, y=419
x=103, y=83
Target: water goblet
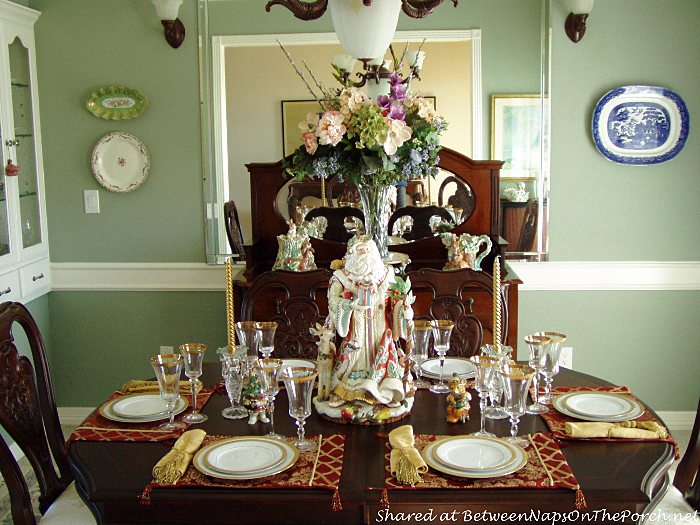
x=484, y=369
x=167, y=368
x=442, y=330
x=193, y=355
x=233, y=371
x=536, y=345
x=516, y=382
x=265, y=337
x=550, y=363
x=422, y=330
x=502, y=354
x=267, y=370
x=299, y=383
x=245, y=330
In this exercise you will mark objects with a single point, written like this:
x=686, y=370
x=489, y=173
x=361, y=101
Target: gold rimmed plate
x=106, y=411
x=431, y=461
x=598, y=406
x=291, y=454
x=459, y=365
x=245, y=455
x=474, y=453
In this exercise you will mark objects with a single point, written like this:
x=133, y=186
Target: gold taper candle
x=496, y=306
x=230, y=316
x=324, y=202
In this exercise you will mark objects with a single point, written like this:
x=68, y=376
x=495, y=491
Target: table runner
x=546, y=468
x=320, y=468
x=556, y=420
x=96, y=427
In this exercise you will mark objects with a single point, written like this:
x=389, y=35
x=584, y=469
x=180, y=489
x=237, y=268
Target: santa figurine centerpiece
x=370, y=309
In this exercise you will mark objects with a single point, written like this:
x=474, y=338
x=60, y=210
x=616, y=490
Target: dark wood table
x=614, y=477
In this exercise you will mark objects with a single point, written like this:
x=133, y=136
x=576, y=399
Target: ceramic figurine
x=465, y=251
x=458, y=400
x=295, y=252
x=324, y=361
x=516, y=193
x=254, y=401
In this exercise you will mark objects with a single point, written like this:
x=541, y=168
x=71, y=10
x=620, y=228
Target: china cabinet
x=24, y=249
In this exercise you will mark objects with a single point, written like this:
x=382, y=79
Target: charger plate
x=233, y=458
x=107, y=411
x=474, y=453
x=433, y=462
x=598, y=406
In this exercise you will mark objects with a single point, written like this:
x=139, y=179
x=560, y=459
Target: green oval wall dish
x=116, y=103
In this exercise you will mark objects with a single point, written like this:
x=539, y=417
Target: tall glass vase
x=376, y=206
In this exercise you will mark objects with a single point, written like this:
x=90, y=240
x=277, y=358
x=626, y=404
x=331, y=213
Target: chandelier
x=365, y=28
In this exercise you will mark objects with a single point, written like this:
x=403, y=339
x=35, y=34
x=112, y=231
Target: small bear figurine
x=458, y=400
x=254, y=401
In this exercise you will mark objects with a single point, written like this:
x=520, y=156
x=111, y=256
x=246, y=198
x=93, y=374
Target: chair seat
x=68, y=509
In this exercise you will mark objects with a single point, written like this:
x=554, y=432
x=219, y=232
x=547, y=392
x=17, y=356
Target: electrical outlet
x=166, y=349
x=566, y=358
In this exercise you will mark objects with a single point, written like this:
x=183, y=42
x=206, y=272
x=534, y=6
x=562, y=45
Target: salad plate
x=120, y=162
x=139, y=406
x=459, y=365
x=474, y=453
x=640, y=125
x=598, y=407
x=433, y=462
x=230, y=455
x=303, y=363
x=107, y=411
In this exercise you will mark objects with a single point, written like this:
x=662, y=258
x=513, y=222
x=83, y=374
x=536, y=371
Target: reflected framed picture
x=294, y=112
x=517, y=134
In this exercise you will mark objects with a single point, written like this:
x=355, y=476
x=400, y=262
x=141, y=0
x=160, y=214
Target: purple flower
x=396, y=112
x=398, y=89
x=384, y=102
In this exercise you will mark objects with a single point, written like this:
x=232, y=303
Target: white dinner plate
x=599, y=404
x=474, y=453
x=560, y=404
x=120, y=162
x=459, y=365
x=430, y=459
x=303, y=363
x=139, y=406
x=106, y=411
x=244, y=455
x=291, y=456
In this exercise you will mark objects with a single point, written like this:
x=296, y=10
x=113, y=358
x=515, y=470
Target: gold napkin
x=173, y=465
x=405, y=461
x=624, y=429
x=151, y=387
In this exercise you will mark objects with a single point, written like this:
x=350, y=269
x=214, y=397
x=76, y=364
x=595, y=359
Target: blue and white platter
x=640, y=125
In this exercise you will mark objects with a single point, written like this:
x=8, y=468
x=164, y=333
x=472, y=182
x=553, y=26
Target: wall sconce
x=575, y=25
x=174, y=29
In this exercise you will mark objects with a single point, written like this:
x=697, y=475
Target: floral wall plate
x=116, y=103
x=120, y=162
x=640, y=125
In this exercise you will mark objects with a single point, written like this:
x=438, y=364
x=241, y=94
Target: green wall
x=600, y=211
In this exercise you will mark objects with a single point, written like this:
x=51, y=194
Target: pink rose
x=310, y=142
x=331, y=128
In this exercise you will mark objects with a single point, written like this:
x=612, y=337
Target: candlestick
x=496, y=306
x=230, y=316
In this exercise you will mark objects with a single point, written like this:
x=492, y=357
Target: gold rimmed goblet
x=265, y=337
x=516, y=382
x=267, y=371
x=245, y=330
x=442, y=330
x=168, y=368
x=299, y=383
x=550, y=363
x=536, y=345
x=484, y=370
x=422, y=330
x=193, y=355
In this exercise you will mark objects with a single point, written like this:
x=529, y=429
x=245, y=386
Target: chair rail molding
x=545, y=276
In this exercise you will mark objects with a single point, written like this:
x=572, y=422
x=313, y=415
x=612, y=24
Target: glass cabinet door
x=24, y=146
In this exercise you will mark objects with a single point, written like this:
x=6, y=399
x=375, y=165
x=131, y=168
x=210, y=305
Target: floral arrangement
x=395, y=138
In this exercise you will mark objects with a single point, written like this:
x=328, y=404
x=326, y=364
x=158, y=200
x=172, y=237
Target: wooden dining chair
x=296, y=301
x=336, y=219
x=233, y=228
x=686, y=479
x=421, y=215
x=28, y=415
x=464, y=296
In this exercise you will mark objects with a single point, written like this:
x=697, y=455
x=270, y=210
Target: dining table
x=594, y=480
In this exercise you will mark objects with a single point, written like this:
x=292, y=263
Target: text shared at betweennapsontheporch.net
x=533, y=516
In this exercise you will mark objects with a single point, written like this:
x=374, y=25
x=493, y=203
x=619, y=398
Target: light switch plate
x=92, y=201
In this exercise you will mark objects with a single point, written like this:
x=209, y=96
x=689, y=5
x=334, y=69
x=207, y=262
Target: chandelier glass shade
x=365, y=32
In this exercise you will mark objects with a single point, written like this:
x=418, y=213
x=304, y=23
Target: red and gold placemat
x=320, y=468
x=556, y=420
x=546, y=468
x=96, y=427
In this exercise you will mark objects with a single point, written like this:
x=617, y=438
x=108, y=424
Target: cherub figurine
x=458, y=400
x=254, y=401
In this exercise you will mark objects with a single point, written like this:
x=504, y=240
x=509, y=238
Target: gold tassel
x=335, y=505
x=168, y=473
x=145, y=498
x=384, y=502
x=406, y=472
x=580, y=500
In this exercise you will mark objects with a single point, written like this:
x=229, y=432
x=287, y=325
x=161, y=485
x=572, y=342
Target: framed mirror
x=246, y=77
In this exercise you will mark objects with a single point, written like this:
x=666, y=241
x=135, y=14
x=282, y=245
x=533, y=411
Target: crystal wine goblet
x=245, y=330
x=265, y=337
x=422, y=330
x=516, y=382
x=233, y=369
x=267, y=370
x=168, y=368
x=442, y=330
x=484, y=369
x=502, y=354
x=299, y=383
x=536, y=345
x=193, y=355
x=550, y=363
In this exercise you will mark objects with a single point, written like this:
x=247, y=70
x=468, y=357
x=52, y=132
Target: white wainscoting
x=619, y=275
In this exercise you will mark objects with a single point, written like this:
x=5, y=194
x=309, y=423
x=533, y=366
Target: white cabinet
x=24, y=247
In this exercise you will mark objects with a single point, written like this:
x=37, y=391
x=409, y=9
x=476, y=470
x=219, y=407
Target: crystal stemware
x=422, y=330
x=168, y=368
x=516, y=382
x=536, y=345
x=484, y=369
x=233, y=367
x=550, y=363
x=193, y=354
x=265, y=337
x=267, y=370
x=245, y=330
x=442, y=330
x=299, y=383
x=502, y=354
